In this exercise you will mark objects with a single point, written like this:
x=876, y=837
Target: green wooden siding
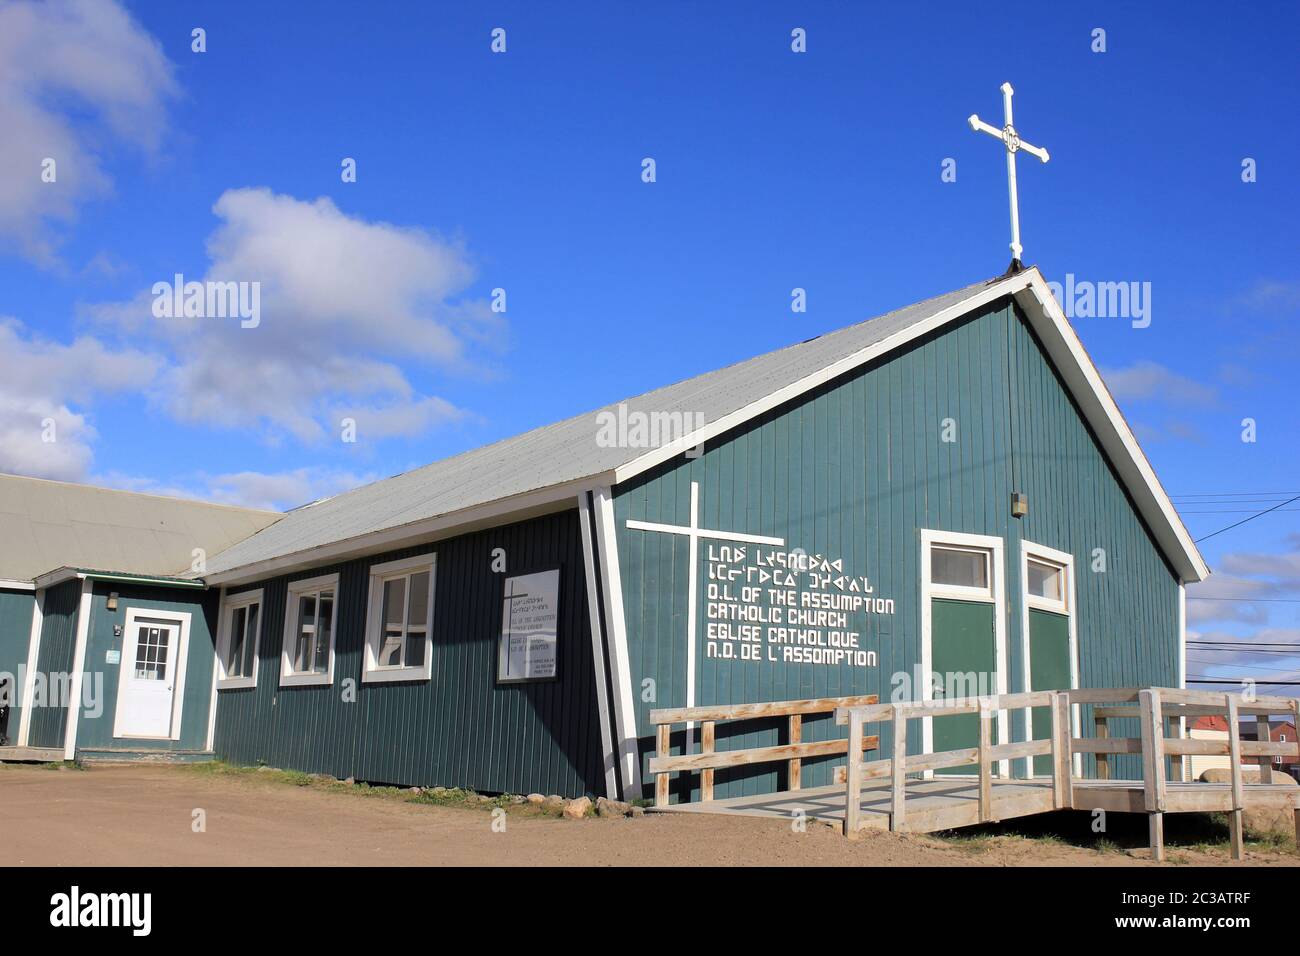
x=15, y=635
x=855, y=469
x=458, y=729
x=95, y=726
x=54, y=663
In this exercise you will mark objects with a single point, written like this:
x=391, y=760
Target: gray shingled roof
x=46, y=525
x=559, y=453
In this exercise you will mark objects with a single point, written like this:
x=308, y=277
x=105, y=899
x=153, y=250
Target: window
x=400, y=625
x=241, y=620
x=960, y=569
x=1045, y=584
x=151, y=652
x=1046, y=581
x=307, y=652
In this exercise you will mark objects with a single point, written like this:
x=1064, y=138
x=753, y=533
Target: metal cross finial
x=1011, y=139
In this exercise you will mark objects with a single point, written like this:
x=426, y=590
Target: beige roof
x=46, y=525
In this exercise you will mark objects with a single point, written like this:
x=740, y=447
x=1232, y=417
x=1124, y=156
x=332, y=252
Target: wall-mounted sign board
x=530, y=617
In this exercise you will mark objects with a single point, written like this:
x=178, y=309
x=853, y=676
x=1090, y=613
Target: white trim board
x=608, y=756
x=178, y=664
x=29, y=678
x=293, y=591
x=84, y=610
x=1029, y=549
x=998, y=587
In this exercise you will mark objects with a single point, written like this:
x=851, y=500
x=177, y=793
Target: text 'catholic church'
x=943, y=500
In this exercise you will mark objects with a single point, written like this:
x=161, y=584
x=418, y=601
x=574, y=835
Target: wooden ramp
x=902, y=793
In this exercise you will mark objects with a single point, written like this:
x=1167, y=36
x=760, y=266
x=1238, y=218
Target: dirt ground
x=142, y=815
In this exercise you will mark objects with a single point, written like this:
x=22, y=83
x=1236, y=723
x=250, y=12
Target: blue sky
x=522, y=171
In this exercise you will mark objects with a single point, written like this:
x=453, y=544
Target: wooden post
x=853, y=777
x=1238, y=796
x=794, y=772
x=1153, y=767
x=706, y=746
x=663, y=734
x=1103, y=760
x=1176, y=760
x=1062, y=771
x=1295, y=722
x=898, y=783
x=1263, y=734
x=985, y=765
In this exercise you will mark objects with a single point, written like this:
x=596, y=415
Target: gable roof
x=48, y=525
x=554, y=462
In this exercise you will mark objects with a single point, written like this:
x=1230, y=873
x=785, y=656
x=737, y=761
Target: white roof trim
x=12, y=585
x=1045, y=316
x=1076, y=368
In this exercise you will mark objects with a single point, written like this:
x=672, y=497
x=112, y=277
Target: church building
x=941, y=501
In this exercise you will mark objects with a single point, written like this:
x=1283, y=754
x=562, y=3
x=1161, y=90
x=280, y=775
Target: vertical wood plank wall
x=459, y=729
x=58, y=644
x=855, y=469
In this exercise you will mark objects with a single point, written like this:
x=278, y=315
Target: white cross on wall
x=694, y=532
x=1011, y=139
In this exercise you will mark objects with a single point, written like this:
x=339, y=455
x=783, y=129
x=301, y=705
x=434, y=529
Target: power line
x=1248, y=600
x=1244, y=520
x=1237, y=683
x=1237, y=494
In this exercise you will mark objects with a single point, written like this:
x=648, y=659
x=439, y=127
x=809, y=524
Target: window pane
x=1046, y=581
x=324, y=628
x=415, y=648
x=419, y=600
x=235, y=652
x=250, y=640
x=967, y=569
x=306, y=634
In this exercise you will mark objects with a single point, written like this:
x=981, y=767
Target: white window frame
x=289, y=677
x=371, y=672
x=995, y=594
x=1065, y=561
x=229, y=605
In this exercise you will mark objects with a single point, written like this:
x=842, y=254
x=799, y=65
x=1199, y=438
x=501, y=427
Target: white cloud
x=346, y=305
x=1151, y=381
x=75, y=76
x=1243, y=585
x=42, y=382
x=271, y=491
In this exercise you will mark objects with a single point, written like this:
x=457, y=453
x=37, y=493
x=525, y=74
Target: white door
x=148, y=680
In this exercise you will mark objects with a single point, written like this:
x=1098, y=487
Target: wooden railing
x=792, y=753
x=1158, y=706
x=1152, y=707
x=984, y=755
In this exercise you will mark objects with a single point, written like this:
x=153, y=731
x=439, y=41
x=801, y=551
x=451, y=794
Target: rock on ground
x=577, y=809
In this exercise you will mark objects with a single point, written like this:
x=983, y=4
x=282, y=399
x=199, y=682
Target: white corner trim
x=608, y=756
x=229, y=602
x=78, y=668
x=1182, y=663
x=14, y=585
x=998, y=587
x=1065, y=560
x=179, y=664
x=620, y=662
x=371, y=672
x=29, y=676
x=295, y=589
x=216, y=669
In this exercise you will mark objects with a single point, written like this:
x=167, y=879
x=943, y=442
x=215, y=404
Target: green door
x=1049, y=669
x=963, y=654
